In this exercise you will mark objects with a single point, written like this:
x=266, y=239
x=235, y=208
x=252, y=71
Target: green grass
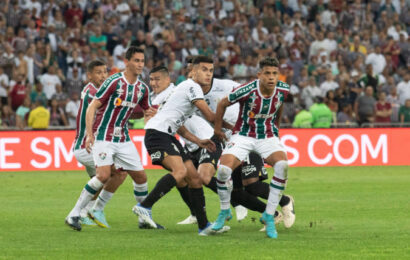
x=342, y=212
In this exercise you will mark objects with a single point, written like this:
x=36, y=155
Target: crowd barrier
x=52, y=150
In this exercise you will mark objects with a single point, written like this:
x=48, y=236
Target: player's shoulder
x=246, y=87
x=111, y=79
x=282, y=86
x=188, y=83
x=143, y=84
x=221, y=84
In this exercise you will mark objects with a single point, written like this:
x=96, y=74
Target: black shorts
x=253, y=167
x=159, y=145
x=194, y=156
x=212, y=157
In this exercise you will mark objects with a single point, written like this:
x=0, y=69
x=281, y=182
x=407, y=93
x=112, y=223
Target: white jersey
x=158, y=99
x=176, y=108
x=198, y=127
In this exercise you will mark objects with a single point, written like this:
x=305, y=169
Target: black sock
x=198, y=203
x=284, y=200
x=259, y=189
x=248, y=200
x=212, y=185
x=184, y=192
x=163, y=186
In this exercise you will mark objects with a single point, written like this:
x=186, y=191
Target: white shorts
x=87, y=160
x=240, y=146
x=122, y=155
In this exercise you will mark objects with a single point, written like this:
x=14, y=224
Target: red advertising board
x=51, y=150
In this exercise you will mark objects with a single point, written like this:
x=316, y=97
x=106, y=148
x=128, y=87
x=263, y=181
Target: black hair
x=93, y=64
x=202, y=59
x=189, y=59
x=131, y=50
x=160, y=68
x=268, y=62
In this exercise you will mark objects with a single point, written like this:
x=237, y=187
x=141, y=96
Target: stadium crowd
x=346, y=61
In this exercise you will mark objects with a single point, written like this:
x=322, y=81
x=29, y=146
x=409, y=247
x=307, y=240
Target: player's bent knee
x=281, y=169
x=224, y=173
x=179, y=174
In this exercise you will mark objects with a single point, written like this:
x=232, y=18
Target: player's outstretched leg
x=184, y=192
x=224, y=185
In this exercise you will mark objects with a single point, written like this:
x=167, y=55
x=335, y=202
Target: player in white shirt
x=166, y=150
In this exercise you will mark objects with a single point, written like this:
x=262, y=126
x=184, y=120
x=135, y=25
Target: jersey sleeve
x=106, y=90
x=237, y=94
x=145, y=102
x=195, y=93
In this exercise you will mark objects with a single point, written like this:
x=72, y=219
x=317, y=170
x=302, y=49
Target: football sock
x=91, y=188
x=224, y=186
x=184, y=192
x=277, y=185
x=284, y=200
x=163, y=186
x=198, y=203
x=212, y=185
x=102, y=200
x=248, y=201
x=140, y=191
x=259, y=189
x=85, y=210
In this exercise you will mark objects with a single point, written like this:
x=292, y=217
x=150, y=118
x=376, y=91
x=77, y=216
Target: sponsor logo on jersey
x=248, y=169
x=156, y=156
x=102, y=155
x=256, y=116
x=175, y=147
x=119, y=102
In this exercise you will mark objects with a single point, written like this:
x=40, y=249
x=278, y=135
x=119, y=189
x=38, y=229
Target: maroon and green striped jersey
x=258, y=115
x=87, y=95
x=118, y=99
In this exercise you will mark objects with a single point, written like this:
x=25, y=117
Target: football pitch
x=341, y=212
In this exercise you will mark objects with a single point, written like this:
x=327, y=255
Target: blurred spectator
x=22, y=113
x=321, y=114
x=404, y=112
x=328, y=84
x=4, y=86
x=369, y=79
x=49, y=81
x=345, y=116
x=365, y=107
x=383, y=109
x=8, y=117
x=98, y=40
x=60, y=96
x=37, y=93
x=377, y=60
x=310, y=92
x=119, y=54
x=7, y=60
x=72, y=109
x=73, y=84
x=18, y=92
x=393, y=99
x=57, y=116
x=331, y=103
x=403, y=89
x=303, y=118
x=39, y=116
x=21, y=65
x=74, y=62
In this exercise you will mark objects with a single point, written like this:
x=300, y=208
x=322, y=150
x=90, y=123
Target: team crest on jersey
x=102, y=155
x=230, y=145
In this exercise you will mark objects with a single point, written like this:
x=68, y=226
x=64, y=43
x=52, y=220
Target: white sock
x=102, y=200
x=84, y=211
x=277, y=186
x=140, y=191
x=90, y=189
x=224, y=186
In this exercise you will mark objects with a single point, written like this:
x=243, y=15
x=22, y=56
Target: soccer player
x=257, y=129
x=166, y=150
x=107, y=135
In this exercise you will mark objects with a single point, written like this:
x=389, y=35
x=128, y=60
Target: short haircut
x=268, y=62
x=202, y=59
x=131, y=50
x=93, y=64
x=161, y=68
